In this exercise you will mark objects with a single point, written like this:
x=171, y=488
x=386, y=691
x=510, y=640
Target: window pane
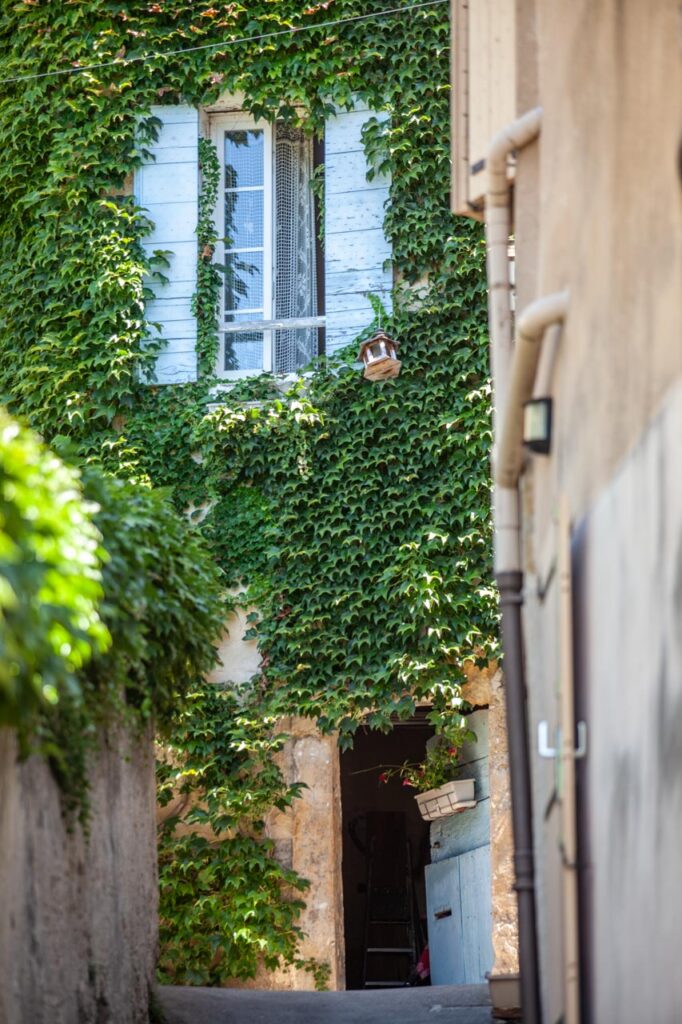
x=294, y=349
x=243, y=282
x=244, y=350
x=244, y=160
x=243, y=220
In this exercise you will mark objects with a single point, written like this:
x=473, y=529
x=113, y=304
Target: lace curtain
x=295, y=257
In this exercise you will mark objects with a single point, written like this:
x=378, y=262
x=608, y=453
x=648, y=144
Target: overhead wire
x=155, y=55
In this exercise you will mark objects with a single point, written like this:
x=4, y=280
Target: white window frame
x=219, y=123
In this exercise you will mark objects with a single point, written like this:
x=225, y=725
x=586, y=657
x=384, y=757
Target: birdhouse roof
x=377, y=336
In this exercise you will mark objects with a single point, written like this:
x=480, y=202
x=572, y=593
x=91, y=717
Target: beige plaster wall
x=77, y=913
x=633, y=658
x=598, y=210
x=610, y=214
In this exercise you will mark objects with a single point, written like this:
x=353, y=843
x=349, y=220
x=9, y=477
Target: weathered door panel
x=550, y=651
x=459, y=918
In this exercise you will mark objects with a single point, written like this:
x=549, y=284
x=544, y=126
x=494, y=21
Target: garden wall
x=77, y=913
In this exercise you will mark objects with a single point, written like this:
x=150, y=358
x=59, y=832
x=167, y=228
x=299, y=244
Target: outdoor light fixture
x=379, y=355
x=537, y=425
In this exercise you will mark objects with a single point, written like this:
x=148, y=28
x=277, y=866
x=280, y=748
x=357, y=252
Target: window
x=266, y=220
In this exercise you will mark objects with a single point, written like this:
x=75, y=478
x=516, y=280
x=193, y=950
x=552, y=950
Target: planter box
x=447, y=799
x=505, y=995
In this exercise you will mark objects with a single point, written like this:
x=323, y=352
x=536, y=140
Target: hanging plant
x=441, y=762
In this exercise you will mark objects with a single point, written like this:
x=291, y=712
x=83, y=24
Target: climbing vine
x=353, y=516
x=226, y=899
x=209, y=279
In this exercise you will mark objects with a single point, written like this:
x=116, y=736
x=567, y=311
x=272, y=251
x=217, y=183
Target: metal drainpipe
x=507, y=553
x=531, y=327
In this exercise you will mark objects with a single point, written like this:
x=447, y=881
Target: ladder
x=390, y=953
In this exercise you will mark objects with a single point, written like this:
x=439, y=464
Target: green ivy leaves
x=50, y=579
x=209, y=276
x=227, y=906
x=356, y=515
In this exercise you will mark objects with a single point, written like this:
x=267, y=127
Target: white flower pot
x=450, y=798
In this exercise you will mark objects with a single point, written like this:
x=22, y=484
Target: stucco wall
x=598, y=210
x=77, y=914
x=610, y=216
x=632, y=613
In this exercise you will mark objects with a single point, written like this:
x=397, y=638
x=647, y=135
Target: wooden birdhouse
x=379, y=355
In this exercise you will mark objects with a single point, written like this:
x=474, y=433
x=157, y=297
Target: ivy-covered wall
x=354, y=515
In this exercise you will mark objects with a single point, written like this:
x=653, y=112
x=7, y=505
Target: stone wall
x=485, y=688
x=308, y=838
x=77, y=913
x=505, y=917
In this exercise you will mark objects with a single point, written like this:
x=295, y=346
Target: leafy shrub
x=163, y=607
x=163, y=598
x=50, y=578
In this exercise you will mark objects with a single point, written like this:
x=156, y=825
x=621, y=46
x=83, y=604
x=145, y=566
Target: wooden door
x=458, y=900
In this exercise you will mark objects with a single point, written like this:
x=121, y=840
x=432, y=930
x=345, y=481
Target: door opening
x=385, y=852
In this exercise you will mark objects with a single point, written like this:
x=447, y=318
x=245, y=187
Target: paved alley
x=462, y=1004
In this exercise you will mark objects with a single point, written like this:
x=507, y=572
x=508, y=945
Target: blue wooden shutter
x=168, y=187
x=356, y=248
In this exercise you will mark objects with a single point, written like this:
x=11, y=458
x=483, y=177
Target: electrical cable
x=124, y=61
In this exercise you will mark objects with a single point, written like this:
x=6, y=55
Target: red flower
x=383, y=777
x=406, y=782
x=452, y=751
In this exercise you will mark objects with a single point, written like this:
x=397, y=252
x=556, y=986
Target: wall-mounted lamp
x=537, y=425
x=380, y=357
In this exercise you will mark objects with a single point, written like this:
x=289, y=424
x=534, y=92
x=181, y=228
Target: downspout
x=532, y=324
x=507, y=551
x=508, y=458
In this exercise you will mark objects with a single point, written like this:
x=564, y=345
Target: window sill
x=281, y=382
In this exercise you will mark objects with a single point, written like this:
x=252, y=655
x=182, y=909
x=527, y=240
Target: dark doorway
x=385, y=851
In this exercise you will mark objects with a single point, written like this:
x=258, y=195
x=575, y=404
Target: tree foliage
x=50, y=578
